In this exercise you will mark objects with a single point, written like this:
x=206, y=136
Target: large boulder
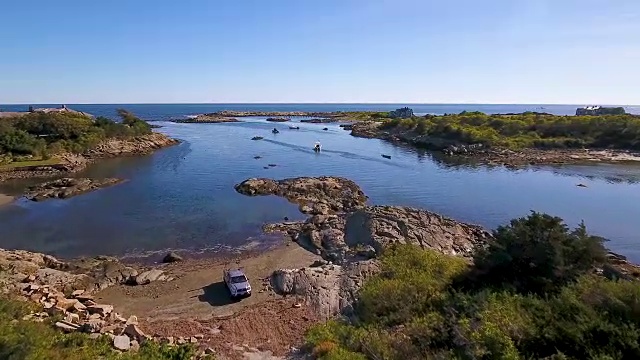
x=329, y=289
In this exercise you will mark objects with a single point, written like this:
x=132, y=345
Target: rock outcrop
x=89, y=275
x=321, y=195
x=350, y=236
x=139, y=145
x=67, y=187
x=329, y=289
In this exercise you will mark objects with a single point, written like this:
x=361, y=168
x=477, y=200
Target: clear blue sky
x=425, y=51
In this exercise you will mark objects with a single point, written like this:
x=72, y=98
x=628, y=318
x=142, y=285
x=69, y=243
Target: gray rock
x=149, y=276
x=328, y=289
x=66, y=326
x=100, y=309
x=122, y=342
x=93, y=326
x=172, y=257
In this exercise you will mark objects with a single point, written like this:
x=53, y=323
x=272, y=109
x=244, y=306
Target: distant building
x=402, y=113
x=600, y=110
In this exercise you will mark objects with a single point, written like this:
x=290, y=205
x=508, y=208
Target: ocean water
x=160, y=112
x=182, y=197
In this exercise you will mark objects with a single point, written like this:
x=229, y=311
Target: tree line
x=40, y=135
x=527, y=130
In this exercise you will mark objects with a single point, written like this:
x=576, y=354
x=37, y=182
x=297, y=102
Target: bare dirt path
x=197, y=303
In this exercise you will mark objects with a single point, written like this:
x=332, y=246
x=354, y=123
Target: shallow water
x=182, y=197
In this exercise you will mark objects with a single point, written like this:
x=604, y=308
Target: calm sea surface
x=182, y=197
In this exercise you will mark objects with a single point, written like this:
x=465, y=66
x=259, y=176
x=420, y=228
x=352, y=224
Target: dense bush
x=418, y=307
x=40, y=134
x=26, y=340
x=528, y=129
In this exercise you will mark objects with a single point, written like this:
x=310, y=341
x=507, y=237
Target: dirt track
x=197, y=303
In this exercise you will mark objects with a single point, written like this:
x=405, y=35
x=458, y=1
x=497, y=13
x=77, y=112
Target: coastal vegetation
x=526, y=130
x=29, y=340
x=536, y=292
x=40, y=136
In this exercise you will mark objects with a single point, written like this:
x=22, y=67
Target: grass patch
x=21, y=164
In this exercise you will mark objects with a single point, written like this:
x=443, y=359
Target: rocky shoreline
x=207, y=119
x=315, y=277
x=494, y=156
x=111, y=148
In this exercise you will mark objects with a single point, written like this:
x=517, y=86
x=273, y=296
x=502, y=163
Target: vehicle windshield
x=238, y=279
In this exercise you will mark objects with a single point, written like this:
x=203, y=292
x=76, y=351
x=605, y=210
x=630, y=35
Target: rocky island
x=67, y=187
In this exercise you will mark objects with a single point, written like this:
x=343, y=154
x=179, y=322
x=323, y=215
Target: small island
x=278, y=119
x=207, y=119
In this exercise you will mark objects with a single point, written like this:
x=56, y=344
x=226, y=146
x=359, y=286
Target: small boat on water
x=275, y=131
x=294, y=127
x=317, y=147
x=325, y=129
x=386, y=156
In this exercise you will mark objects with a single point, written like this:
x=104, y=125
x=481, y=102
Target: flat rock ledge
x=139, y=145
x=68, y=187
x=321, y=195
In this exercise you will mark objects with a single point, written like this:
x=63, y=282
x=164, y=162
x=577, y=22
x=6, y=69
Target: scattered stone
x=77, y=293
x=94, y=336
x=122, y=342
x=78, y=306
x=99, y=309
x=93, y=326
x=257, y=138
x=30, y=278
x=135, y=345
x=581, y=185
x=72, y=318
x=172, y=257
x=66, y=304
x=193, y=340
x=149, y=276
x=134, y=332
x=66, y=326
x=84, y=297
x=133, y=320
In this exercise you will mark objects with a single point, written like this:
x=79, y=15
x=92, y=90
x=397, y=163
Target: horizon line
x=309, y=103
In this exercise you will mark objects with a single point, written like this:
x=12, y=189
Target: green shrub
x=530, y=295
x=537, y=254
x=528, y=129
x=45, y=134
